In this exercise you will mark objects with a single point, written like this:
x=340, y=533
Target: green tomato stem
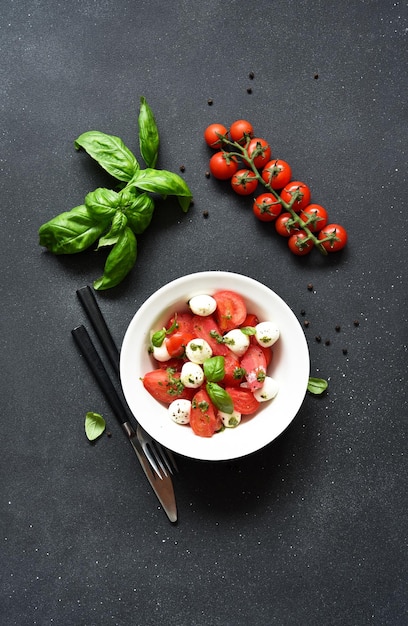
x=287, y=206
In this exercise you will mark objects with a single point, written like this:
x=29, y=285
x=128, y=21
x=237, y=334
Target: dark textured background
x=311, y=530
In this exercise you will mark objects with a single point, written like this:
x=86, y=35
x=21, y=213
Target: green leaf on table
x=120, y=261
x=148, y=134
x=117, y=227
x=163, y=183
x=138, y=208
x=317, y=386
x=110, y=152
x=102, y=202
x=71, y=231
x=94, y=425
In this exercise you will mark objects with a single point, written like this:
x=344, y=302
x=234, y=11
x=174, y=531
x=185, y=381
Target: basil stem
x=72, y=231
x=120, y=261
x=148, y=134
x=110, y=152
x=317, y=385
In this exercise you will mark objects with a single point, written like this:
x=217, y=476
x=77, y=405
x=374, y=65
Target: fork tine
x=158, y=456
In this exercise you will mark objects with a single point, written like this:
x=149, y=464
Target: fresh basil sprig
x=115, y=218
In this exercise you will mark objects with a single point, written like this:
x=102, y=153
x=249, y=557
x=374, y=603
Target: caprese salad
x=212, y=363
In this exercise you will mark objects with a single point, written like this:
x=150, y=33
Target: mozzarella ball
x=202, y=305
x=192, y=375
x=237, y=341
x=179, y=411
x=268, y=390
x=160, y=353
x=198, y=350
x=266, y=333
x=230, y=420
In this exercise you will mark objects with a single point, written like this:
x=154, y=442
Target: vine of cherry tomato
x=247, y=162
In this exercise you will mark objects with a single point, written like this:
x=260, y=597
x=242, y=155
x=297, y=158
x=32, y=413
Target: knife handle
x=90, y=305
x=101, y=375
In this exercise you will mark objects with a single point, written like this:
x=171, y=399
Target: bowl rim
x=141, y=404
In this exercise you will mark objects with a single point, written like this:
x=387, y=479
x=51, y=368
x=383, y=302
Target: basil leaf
x=72, y=231
x=158, y=337
x=248, y=330
x=220, y=398
x=110, y=152
x=94, y=425
x=214, y=368
x=102, y=202
x=317, y=385
x=120, y=261
x=164, y=183
x=148, y=134
x=138, y=210
x=118, y=225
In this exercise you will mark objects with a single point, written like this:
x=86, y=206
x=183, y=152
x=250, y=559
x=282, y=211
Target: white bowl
x=290, y=367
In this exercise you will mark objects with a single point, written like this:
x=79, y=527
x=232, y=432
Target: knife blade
x=162, y=484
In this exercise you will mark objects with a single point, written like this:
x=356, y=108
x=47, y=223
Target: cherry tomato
x=243, y=400
x=284, y=225
x=338, y=235
x=203, y=419
x=231, y=310
x=266, y=207
x=316, y=216
x=176, y=343
x=277, y=173
x=244, y=182
x=222, y=165
x=241, y=131
x=302, y=192
x=299, y=244
x=212, y=135
x=260, y=151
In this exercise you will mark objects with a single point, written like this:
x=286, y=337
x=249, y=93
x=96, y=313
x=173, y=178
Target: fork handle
x=101, y=375
x=90, y=304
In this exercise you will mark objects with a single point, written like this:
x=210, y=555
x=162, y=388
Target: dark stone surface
x=312, y=529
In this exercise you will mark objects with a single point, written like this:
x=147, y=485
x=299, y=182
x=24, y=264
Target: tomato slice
x=203, y=416
x=165, y=385
x=184, y=322
x=254, y=364
x=203, y=327
x=268, y=353
x=243, y=400
x=250, y=320
x=231, y=310
x=234, y=374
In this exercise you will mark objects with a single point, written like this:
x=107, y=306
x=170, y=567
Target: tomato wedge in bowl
x=290, y=368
